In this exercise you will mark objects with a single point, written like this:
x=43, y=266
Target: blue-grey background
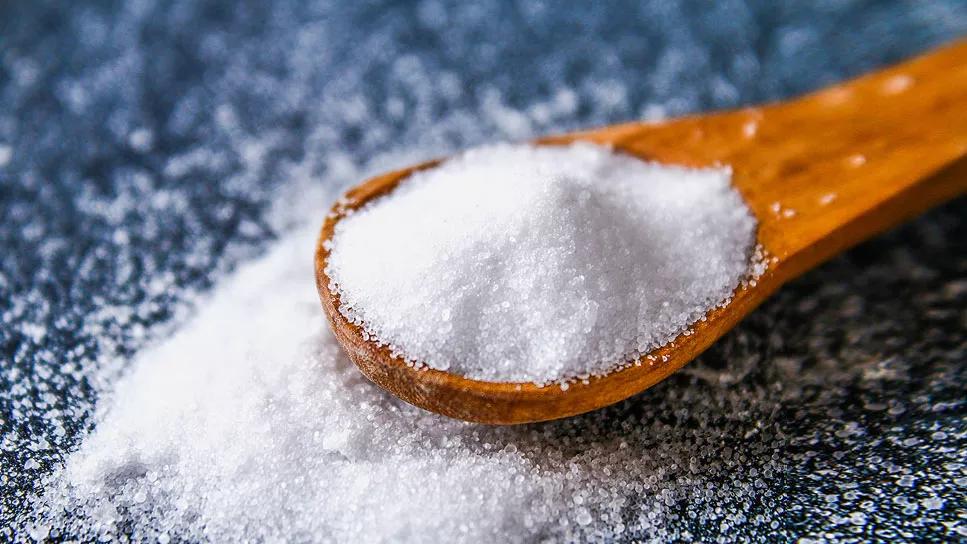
x=143, y=144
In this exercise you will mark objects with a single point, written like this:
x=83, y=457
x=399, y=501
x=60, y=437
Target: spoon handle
x=856, y=159
x=833, y=168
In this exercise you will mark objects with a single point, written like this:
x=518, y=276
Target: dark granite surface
x=142, y=142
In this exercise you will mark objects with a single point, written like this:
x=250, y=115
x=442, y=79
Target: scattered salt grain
x=750, y=128
x=856, y=160
x=523, y=263
x=777, y=209
x=141, y=139
x=6, y=153
x=654, y=113
x=897, y=84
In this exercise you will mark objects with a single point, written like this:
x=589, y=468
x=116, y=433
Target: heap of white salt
x=250, y=425
x=540, y=264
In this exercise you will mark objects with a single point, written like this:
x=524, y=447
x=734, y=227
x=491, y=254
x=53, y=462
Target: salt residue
x=522, y=263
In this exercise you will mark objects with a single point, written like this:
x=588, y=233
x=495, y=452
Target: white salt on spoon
x=540, y=264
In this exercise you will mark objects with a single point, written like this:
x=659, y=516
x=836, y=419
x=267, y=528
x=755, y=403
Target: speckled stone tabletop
x=143, y=143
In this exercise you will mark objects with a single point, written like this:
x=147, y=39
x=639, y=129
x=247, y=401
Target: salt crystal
x=856, y=160
x=897, y=84
x=6, y=153
x=750, y=128
x=141, y=139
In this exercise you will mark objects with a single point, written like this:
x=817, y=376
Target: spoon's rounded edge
x=507, y=403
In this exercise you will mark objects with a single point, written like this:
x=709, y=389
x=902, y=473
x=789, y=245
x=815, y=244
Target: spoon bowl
x=820, y=173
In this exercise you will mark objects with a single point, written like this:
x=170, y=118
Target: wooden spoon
x=821, y=173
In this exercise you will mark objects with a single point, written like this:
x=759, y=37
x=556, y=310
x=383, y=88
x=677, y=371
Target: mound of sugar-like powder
x=540, y=264
x=248, y=424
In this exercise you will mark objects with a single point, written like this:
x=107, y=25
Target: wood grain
x=848, y=162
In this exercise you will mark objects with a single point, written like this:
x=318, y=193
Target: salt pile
x=264, y=431
x=523, y=263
